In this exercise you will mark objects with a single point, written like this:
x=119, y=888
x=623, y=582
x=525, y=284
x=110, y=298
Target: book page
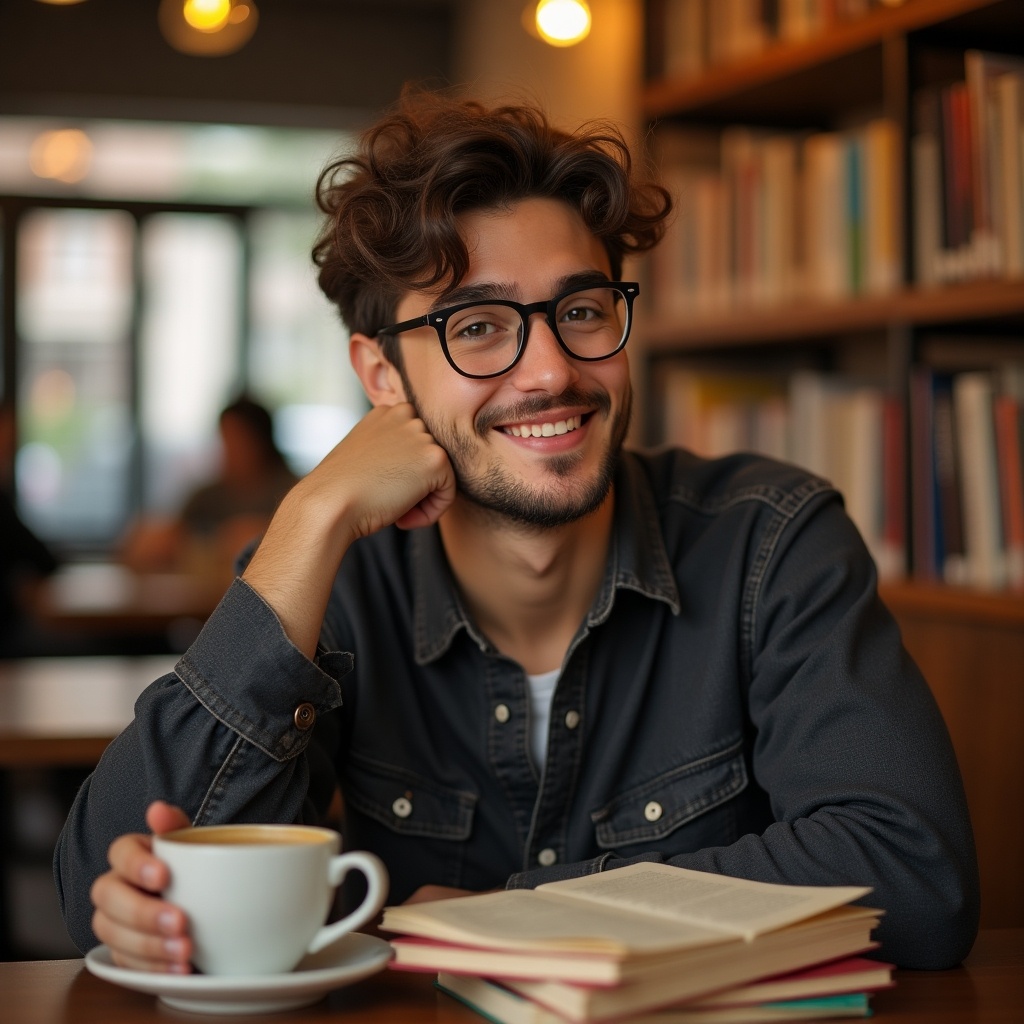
x=734, y=905
x=530, y=919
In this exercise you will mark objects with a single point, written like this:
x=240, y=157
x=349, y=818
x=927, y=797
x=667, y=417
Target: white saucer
x=349, y=959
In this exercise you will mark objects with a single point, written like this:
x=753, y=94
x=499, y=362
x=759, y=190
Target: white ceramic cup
x=257, y=896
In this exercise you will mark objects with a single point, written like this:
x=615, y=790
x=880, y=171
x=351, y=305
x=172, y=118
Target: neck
x=527, y=588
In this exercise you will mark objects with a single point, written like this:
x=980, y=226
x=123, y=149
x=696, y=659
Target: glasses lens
x=484, y=339
x=593, y=322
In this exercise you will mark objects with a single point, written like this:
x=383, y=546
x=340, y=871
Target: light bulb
x=207, y=15
x=207, y=28
x=63, y=155
x=563, y=22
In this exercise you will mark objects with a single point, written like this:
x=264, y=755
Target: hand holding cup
x=257, y=896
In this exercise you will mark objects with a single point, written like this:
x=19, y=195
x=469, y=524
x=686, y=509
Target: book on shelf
x=967, y=475
x=985, y=553
x=767, y=217
x=498, y=1003
x=698, y=34
x=847, y=430
x=968, y=189
x=678, y=934
x=1009, y=430
x=714, y=413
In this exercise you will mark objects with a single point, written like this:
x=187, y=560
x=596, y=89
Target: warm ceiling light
x=207, y=28
x=207, y=15
x=62, y=155
x=563, y=22
x=61, y=3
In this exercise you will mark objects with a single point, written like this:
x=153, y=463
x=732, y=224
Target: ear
x=381, y=381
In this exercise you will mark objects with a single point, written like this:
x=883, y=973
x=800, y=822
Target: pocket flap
x=406, y=802
x=657, y=807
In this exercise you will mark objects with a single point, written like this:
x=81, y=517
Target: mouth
x=545, y=428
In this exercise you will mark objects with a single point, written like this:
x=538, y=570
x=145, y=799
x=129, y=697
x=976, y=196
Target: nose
x=544, y=364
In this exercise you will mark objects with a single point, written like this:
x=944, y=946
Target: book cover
x=853, y=974
x=500, y=1004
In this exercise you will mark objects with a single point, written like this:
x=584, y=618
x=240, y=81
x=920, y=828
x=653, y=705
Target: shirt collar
x=637, y=561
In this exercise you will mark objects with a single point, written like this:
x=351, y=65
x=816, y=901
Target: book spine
x=973, y=405
x=1008, y=425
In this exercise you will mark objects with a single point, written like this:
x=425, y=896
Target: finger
x=131, y=858
x=164, y=817
x=130, y=948
x=132, y=908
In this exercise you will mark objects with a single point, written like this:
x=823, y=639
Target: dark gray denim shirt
x=737, y=700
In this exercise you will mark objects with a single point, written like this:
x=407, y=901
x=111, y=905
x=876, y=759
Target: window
x=167, y=270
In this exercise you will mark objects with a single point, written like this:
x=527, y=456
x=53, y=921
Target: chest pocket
x=407, y=803
x=685, y=796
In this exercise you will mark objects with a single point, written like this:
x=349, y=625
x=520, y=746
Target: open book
x=651, y=934
x=639, y=909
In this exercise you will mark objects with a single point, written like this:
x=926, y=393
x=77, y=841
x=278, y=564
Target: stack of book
x=648, y=943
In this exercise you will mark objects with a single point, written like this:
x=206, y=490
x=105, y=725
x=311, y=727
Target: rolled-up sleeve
x=242, y=730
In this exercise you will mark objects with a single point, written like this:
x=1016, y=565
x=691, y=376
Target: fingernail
x=167, y=922
x=150, y=875
x=175, y=948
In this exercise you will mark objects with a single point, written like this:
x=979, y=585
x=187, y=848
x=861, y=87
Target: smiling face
x=538, y=444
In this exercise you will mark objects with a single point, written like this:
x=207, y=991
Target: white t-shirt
x=542, y=692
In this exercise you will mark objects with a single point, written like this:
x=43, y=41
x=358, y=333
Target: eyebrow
x=487, y=291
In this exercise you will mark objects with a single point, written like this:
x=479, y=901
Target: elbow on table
x=935, y=933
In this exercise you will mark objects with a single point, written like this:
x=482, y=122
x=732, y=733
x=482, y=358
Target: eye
x=579, y=314
x=478, y=327
x=482, y=323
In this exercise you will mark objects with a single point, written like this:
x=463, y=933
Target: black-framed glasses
x=486, y=339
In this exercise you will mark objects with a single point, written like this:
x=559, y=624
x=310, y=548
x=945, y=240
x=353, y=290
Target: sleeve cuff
x=246, y=672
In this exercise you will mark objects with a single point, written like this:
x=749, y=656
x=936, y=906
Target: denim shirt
x=737, y=700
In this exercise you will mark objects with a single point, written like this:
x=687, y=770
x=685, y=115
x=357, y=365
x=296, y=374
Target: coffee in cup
x=257, y=896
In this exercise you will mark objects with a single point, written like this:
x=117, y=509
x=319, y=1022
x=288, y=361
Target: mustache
x=529, y=408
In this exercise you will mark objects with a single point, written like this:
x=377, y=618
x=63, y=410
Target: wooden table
x=989, y=989
x=64, y=711
x=106, y=597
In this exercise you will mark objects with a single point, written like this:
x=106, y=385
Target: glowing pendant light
x=563, y=22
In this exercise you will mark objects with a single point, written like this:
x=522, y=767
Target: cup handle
x=376, y=893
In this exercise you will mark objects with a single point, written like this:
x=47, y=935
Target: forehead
x=522, y=251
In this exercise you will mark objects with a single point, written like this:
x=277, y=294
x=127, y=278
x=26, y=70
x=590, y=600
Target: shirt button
x=572, y=719
x=305, y=716
x=653, y=811
x=547, y=857
x=402, y=807
x=502, y=713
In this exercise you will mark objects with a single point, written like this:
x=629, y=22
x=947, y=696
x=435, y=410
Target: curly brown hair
x=392, y=209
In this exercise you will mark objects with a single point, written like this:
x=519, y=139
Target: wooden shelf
x=940, y=601
x=961, y=304
x=716, y=88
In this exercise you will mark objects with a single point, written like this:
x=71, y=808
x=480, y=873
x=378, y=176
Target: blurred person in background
x=220, y=517
x=24, y=558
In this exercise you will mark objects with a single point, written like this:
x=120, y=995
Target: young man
x=520, y=652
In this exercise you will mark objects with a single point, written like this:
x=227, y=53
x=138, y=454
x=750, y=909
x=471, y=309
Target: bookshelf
x=748, y=75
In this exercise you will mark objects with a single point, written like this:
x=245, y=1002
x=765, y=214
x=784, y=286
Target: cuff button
x=305, y=716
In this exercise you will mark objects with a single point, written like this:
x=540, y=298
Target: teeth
x=545, y=429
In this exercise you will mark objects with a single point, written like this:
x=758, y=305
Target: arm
x=222, y=738
x=850, y=747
